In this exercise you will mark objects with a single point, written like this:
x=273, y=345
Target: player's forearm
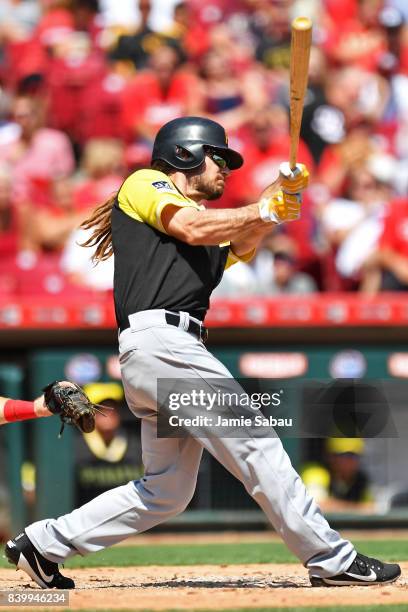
x=280, y=202
x=248, y=241
x=16, y=410
x=212, y=227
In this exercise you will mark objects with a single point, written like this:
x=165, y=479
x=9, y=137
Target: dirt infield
x=208, y=586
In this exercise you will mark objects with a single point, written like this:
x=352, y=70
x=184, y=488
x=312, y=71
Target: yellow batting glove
x=293, y=181
x=280, y=207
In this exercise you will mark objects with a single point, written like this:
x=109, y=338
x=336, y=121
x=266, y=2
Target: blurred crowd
x=85, y=84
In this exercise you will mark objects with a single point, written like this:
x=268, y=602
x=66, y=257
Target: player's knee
x=182, y=494
x=170, y=495
x=186, y=498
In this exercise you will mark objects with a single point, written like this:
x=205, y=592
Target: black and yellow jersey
x=152, y=269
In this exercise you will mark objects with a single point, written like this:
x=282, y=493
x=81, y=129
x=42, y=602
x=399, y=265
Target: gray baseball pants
x=152, y=349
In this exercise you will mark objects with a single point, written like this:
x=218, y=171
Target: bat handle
x=293, y=154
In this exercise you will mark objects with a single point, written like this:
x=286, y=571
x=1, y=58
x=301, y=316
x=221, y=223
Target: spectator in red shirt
x=228, y=96
x=51, y=226
x=56, y=21
x=355, y=102
x=15, y=222
x=36, y=154
x=339, y=12
x=18, y=19
x=8, y=218
x=391, y=259
x=359, y=40
x=10, y=240
x=74, y=79
x=103, y=166
x=351, y=226
x=159, y=94
x=100, y=101
x=192, y=36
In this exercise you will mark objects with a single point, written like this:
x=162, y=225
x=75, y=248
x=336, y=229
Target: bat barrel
x=299, y=67
x=302, y=23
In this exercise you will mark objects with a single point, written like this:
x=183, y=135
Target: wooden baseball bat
x=299, y=68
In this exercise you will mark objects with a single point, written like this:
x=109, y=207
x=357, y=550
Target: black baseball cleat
x=25, y=556
x=364, y=571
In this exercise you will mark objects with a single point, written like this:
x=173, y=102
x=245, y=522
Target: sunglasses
x=217, y=159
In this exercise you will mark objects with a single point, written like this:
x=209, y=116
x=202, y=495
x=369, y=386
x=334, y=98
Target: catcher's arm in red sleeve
x=63, y=398
x=17, y=410
x=12, y=411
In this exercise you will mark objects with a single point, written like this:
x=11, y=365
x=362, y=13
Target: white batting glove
x=293, y=181
x=281, y=207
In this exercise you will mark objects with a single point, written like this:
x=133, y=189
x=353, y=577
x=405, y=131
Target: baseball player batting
x=170, y=253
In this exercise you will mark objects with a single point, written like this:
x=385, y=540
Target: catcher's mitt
x=71, y=404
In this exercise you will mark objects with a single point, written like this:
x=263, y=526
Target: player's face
x=209, y=183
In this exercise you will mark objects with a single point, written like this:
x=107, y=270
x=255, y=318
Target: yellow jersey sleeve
x=232, y=258
x=145, y=194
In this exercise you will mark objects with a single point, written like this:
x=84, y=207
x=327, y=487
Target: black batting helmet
x=181, y=143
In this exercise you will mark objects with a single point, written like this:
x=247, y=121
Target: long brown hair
x=100, y=221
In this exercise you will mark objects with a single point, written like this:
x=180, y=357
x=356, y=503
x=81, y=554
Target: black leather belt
x=197, y=329
x=173, y=318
